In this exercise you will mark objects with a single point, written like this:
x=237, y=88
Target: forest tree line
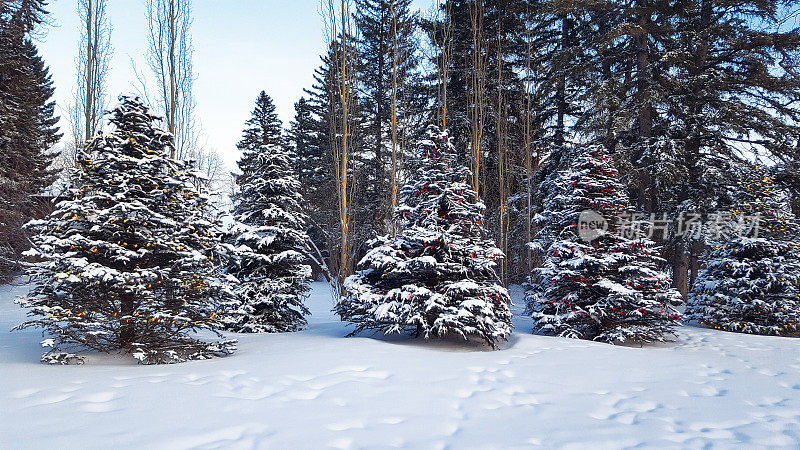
x=436, y=159
x=684, y=95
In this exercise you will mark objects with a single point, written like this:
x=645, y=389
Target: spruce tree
x=28, y=127
x=308, y=139
x=263, y=127
x=437, y=277
x=129, y=259
x=749, y=284
x=267, y=244
x=606, y=287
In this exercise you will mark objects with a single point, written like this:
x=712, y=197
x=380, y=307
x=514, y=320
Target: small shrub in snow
x=62, y=359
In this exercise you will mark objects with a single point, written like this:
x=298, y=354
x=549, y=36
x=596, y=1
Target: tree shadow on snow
x=450, y=343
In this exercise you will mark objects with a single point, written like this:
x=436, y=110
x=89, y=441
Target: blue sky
x=241, y=47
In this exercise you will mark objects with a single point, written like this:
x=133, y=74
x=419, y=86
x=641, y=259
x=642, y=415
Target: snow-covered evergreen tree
x=309, y=143
x=267, y=244
x=28, y=127
x=129, y=258
x=606, y=286
x=749, y=283
x=437, y=276
x=263, y=127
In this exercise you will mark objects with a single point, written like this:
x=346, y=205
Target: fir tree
x=129, y=258
x=263, y=127
x=437, y=276
x=750, y=282
x=267, y=245
x=609, y=288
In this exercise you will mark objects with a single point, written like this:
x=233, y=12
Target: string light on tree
x=606, y=287
x=437, y=277
x=121, y=271
x=750, y=283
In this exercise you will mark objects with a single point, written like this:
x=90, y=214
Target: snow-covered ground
x=317, y=389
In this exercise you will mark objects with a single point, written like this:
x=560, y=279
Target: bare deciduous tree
x=531, y=163
x=442, y=39
x=478, y=90
x=341, y=35
x=501, y=127
x=94, y=54
x=169, y=58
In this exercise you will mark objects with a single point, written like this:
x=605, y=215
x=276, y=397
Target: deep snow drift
x=316, y=389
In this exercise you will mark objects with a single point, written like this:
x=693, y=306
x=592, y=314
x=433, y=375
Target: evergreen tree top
x=133, y=120
x=269, y=189
x=263, y=127
x=440, y=196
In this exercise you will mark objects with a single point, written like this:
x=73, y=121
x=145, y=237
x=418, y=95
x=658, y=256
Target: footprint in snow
x=346, y=425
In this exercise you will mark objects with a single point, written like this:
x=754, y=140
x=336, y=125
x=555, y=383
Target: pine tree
x=129, y=259
x=267, y=245
x=680, y=88
x=609, y=288
x=749, y=283
x=263, y=127
x=731, y=76
x=437, y=276
x=28, y=127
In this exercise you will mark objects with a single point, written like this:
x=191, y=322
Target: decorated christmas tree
x=597, y=281
x=749, y=283
x=267, y=244
x=437, y=277
x=128, y=259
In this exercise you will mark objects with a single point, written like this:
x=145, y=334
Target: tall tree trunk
x=393, y=178
x=646, y=187
x=561, y=83
x=91, y=55
x=127, y=333
x=528, y=148
x=173, y=91
x=478, y=90
x=501, y=159
x=680, y=270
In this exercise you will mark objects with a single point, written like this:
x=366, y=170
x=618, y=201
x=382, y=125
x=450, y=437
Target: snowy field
x=316, y=389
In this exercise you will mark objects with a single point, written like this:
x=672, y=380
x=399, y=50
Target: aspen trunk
x=394, y=182
x=478, y=91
